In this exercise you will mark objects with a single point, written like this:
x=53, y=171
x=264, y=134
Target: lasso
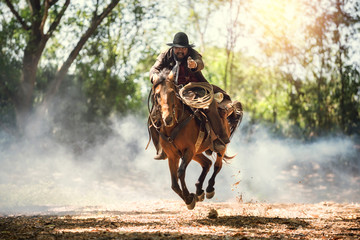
x=198, y=102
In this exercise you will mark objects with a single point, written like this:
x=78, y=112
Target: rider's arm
x=196, y=56
x=157, y=67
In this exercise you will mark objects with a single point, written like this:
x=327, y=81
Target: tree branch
x=45, y=15
x=75, y=52
x=52, y=2
x=16, y=14
x=56, y=22
x=96, y=9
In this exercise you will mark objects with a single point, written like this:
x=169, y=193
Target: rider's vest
x=185, y=75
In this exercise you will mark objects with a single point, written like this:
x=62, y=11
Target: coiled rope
x=198, y=102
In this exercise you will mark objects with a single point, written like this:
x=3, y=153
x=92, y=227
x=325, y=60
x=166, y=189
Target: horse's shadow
x=237, y=221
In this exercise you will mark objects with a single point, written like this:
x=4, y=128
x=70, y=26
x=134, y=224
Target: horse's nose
x=168, y=120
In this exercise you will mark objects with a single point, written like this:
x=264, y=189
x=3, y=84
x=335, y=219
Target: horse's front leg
x=190, y=199
x=205, y=164
x=173, y=166
x=210, y=190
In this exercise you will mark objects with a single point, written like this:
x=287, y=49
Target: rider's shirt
x=185, y=74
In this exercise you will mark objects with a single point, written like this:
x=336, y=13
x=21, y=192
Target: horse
x=180, y=132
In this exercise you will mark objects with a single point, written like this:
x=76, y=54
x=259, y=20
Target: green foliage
x=111, y=78
x=12, y=39
x=349, y=97
x=9, y=81
x=302, y=87
x=214, y=60
x=107, y=93
x=10, y=70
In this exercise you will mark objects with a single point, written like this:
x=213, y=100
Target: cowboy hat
x=181, y=40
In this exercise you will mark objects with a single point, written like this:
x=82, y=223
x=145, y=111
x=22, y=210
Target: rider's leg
x=218, y=127
x=160, y=154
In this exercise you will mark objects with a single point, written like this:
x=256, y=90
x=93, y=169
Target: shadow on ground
x=321, y=221
x=254, y=222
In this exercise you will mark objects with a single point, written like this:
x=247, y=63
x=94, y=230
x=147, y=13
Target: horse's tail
x=227, y=158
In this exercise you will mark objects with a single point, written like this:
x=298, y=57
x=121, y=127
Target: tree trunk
x=24, y=95
x=33, y=51
x=35, y=47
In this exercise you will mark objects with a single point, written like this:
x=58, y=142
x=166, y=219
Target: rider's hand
x=154, y=78
x=191, y=63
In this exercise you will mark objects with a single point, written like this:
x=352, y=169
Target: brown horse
x=179, y=137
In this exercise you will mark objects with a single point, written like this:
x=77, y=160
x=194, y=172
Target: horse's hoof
x=210, y=195
x=201, y=197
x=191, y=206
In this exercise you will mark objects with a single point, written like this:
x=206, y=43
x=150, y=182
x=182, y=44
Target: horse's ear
x=171, y=76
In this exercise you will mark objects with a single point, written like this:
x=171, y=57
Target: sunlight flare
x=279, y=18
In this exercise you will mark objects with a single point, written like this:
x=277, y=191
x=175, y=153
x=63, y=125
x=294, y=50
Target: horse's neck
x=167, y=130
x=182, y=113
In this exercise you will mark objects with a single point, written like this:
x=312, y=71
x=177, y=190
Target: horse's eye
x=156, y=97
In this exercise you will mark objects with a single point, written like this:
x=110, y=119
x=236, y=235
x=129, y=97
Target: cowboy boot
x=217, y=126
x=160, y=154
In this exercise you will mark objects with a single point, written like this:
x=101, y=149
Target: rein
x=175, y=131
x=200, y=103
x=151, y=119
x=180, y=125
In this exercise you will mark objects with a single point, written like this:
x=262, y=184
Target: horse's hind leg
x=210, y=190
x=205, y=164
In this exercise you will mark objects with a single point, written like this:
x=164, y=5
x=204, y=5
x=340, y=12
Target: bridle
x=181, y=122
x=153, y=97
x=176, y=96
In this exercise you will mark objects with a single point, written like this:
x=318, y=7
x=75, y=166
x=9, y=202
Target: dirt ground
x=171, y=220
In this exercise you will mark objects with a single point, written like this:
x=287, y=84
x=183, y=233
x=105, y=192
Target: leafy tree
x=109, y=76
x=9, y=77
x=39, y=23
x=335, y=75
x=311, y=64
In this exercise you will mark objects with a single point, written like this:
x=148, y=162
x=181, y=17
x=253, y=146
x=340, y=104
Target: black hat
x=181, y=40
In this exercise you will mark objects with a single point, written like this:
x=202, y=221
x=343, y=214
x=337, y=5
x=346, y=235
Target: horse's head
x=165, y=96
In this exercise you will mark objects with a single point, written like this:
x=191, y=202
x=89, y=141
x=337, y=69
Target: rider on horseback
x=186, y=64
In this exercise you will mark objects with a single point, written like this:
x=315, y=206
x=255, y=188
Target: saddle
x=232, y=110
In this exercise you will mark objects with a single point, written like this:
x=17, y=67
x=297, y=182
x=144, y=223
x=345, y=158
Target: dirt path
x=171, y=220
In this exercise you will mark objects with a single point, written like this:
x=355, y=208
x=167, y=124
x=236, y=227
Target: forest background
x=75, y=65
x=294, y=65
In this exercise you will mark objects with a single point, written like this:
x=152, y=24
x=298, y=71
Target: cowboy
x=186, y=63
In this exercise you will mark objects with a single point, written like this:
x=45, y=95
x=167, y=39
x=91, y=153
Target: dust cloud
x=39, y=172
x=287, y=170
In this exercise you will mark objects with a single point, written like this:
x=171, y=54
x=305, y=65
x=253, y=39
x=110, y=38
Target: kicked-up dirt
x=172, y=220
